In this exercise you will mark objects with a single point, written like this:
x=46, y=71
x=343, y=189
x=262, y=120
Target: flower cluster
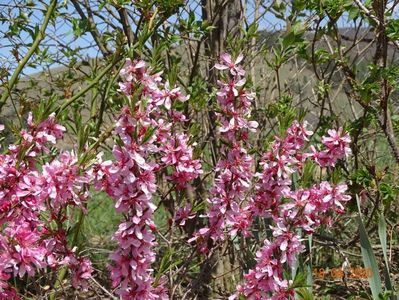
x=130, y=181
x=235, y=168
x=150, y=145
x=174, y=146
x=177, y=153
x=278, y=165
x=306, y=209
x=29, y=241
x=235, y=200
x=337, y=147
x=302, y=208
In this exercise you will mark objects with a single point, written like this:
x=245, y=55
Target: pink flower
x=133, y=70
x=337, y=147
x=9, y=294
x=25, y=253
x=28, y=242
x=227, y=213
x=179, y=154
x=125, y=88
x=81, y=271
x=226, y=63
x=50, y=129
x=183, y=214
x=167, y=96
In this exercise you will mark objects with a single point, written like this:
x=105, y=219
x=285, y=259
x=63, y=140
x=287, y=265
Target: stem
x=63, y=271
x=278, y=82
x=103, y=101
x=32, y=50
x=88, y=87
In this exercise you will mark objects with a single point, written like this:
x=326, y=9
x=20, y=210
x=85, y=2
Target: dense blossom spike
x=130, y=180
x=302, y=208
x=146, y=133
x=29, y=242
x=235, y=169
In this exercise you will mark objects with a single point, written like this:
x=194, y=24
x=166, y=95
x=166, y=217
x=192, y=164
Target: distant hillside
x=296, y=77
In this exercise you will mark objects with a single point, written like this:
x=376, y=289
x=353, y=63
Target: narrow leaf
x=369, y=261
x=382, y=233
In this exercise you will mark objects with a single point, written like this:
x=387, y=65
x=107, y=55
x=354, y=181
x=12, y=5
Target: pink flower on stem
x=21, y=250
x=337, y=147
x=228, y=212
x=227, y=63
x=183, y=214
x=28, y=243
x=145, y=131
x=81, y=271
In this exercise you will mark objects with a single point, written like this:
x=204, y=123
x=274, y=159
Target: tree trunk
x=226, y=16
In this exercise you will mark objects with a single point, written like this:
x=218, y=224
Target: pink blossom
x=337, y=147
x=227, y=63
x=183, y=214
x=81, y=271
x=28, y=243
x=177, y=153
x=23, y=255
x=167, y=96
x=146, y=133
x=227, y=212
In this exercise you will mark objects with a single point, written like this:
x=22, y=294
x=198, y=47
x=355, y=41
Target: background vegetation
x=330, y=62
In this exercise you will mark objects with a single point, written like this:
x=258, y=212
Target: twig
x=40, y=36
x=103, y=288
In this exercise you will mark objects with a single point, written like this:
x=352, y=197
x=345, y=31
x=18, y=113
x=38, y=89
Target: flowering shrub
x=151, y=144
x=34, y=204
x=290, y=210
x=236, y=202
x=130, y=180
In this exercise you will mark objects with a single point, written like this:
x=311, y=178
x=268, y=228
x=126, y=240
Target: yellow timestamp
x=338, y=273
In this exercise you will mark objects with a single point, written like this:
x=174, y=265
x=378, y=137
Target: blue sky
x=61, y=31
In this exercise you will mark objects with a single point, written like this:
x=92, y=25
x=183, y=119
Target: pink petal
x=239, y=59
x=226, y=58
x=221, y=67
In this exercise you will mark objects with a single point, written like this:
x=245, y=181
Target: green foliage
x=338, y=75
x=393, y=29
x=362, y=177
x=369, y=259
x=304, y=294
x=382, y=233
x=284, y=111
x=80, y=27
x=389, y=192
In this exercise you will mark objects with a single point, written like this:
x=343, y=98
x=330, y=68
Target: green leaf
x=382, y=233
x=299, y=281
x=167, y=263
x=150, y=132
x=393, y=29
x=354, y=13
x=304, y=294
x=369, y=259
x=309, y=279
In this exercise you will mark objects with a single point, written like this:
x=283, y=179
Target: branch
x=88, y=87
x=40, y=36
x=369, y=14
x=93, y=30
x=125, y=24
